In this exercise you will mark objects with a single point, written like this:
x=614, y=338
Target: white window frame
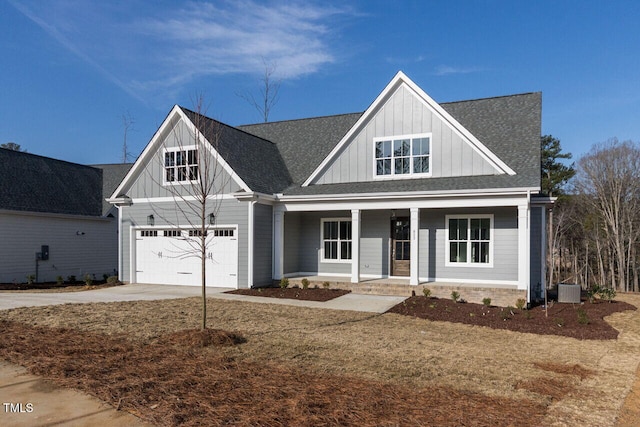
x=186, y=149
x=468, y=263
x=411, y=174
x=322, y=240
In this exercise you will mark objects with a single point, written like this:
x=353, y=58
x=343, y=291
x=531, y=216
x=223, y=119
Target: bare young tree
x=190, y=164
x=268, y=92
x=127, y=125
x=608, y=180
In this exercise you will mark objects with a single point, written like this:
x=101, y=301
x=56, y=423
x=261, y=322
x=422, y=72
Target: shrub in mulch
x=310, y=294
x=581, y=321
x=169, y=385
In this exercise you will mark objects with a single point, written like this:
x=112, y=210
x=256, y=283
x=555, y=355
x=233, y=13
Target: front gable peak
x=404, y=124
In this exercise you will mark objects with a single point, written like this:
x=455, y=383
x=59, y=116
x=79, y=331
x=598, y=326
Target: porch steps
x=500, y=295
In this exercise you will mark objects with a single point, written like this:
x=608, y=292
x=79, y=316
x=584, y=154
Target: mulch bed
x=54, y=287
x=309, y=294
x=563, y=319
x=174, y=385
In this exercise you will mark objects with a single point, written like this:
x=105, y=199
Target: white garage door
x=171, y=257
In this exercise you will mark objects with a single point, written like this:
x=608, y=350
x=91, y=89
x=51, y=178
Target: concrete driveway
x=116, y=293
x=139, y=292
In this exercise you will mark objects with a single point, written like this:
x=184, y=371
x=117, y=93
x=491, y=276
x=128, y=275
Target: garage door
x=171, y=257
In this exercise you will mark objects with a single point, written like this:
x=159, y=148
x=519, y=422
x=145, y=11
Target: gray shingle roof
x=29, y=182
x=304, y=143
x=256, y=160
x=112, y=175
x=509, y=126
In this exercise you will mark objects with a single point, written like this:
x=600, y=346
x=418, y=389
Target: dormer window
x=180, y=165
x=403, y=156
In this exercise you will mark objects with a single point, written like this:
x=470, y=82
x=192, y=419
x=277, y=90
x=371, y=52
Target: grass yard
x=302, y=366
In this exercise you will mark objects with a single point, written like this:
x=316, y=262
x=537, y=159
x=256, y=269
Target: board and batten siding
x=405, y=114
x=77, y=246
x=230, y=211
x=262, y=244
x=149, y=182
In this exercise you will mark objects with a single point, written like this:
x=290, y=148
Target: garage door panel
x=175, y=260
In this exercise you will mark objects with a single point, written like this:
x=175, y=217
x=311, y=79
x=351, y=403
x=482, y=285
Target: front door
x=400, y=246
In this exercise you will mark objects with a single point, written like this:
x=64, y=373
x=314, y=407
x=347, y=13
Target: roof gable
x=401, y=80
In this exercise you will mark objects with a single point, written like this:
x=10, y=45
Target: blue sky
x=71, y=69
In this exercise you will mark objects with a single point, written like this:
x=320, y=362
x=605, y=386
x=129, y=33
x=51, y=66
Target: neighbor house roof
x=509, y=126
x=29, y=182
x=112, y=175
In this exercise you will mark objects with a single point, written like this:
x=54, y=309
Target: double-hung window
x=180, y=165
x=469, y=240
x=403, y=156
x=336, y=239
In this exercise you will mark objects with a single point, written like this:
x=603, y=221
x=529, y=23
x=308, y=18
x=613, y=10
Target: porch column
x=278, y=242
x=523, y=246
x=414, y=252
x=355, y=245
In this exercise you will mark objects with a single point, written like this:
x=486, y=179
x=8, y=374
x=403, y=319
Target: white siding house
x=53, y=218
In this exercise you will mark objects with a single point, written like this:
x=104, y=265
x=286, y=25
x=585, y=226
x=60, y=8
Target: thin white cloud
x=143, y=48
x=445, y=70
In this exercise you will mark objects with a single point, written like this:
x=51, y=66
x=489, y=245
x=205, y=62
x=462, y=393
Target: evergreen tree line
x=594, y=228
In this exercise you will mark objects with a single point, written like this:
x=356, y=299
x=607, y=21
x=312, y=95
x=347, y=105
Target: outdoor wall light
x=151, y=220
x=212, y=218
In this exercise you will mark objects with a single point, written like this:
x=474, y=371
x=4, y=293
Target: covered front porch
x=479, y=246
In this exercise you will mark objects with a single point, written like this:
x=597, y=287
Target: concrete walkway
x=137, y=292
x=28, y=400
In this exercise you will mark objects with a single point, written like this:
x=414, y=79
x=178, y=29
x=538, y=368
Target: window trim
x=411, y=174
x=176, y=149
x=339, y=260
x=468, y=263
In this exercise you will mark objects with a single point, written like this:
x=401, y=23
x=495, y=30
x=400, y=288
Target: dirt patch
x=309, y=294
x=630, y=413
x=577, y=370
x=170, y=386
x=581, y=321
x=201, y=338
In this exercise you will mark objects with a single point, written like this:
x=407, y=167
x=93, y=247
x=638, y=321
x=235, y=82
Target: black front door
x=400, y=246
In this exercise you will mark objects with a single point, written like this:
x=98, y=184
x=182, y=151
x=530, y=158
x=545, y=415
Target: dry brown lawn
x=574, y=382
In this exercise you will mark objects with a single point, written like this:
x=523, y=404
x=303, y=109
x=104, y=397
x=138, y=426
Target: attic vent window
x=180, y=165
x=403, y=156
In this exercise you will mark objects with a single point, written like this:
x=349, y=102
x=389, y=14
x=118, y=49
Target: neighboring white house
x=446, y=194
x=53, y=218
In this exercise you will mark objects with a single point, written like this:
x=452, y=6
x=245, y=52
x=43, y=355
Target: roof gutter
x=408, y=195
